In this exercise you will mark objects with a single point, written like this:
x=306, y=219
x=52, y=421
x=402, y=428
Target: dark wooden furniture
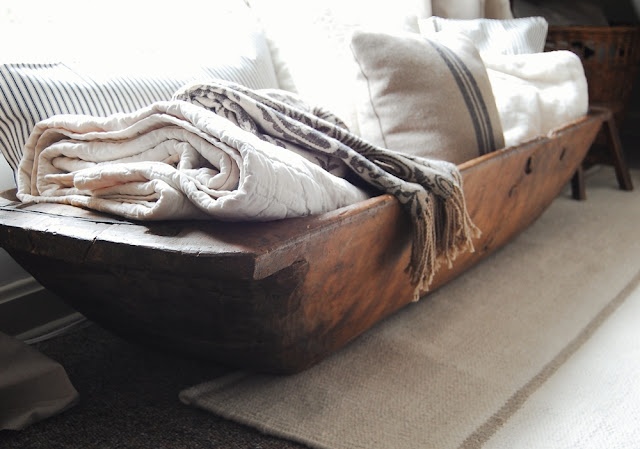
x=610, y=57
x=276, y=296
x=609, y=153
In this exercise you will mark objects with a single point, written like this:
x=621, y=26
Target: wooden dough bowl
x=278, y=296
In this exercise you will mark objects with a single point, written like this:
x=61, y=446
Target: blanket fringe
x=441, y=232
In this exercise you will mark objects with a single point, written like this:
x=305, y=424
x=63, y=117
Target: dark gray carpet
x=129, y=399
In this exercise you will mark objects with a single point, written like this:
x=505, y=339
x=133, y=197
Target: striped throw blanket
x=429, y=190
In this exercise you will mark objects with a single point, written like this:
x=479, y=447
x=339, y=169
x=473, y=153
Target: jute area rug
x=537, y=347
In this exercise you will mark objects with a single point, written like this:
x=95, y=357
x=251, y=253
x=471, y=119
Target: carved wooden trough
x=277, y=296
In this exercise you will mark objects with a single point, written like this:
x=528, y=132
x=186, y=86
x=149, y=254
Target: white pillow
x=538, y=92
x=425, y=97
x=310, y=43
x=508, y=37
x=30, y=92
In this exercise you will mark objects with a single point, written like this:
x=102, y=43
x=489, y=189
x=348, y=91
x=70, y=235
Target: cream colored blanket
x=173, y=160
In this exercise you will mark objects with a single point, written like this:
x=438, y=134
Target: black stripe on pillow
x=472, y=94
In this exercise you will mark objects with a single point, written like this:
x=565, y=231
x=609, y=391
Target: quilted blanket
x=173, y=160
x=220, y=150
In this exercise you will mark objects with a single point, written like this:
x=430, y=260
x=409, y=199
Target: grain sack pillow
x=524, y=35
x=427, y=97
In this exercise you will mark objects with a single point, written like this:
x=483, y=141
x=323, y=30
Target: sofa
x=465, y=97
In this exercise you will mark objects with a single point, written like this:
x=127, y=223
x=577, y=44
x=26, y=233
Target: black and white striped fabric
x=33, y=92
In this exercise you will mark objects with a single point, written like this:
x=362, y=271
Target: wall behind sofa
x=9, y=270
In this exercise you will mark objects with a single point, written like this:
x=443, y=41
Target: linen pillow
x=101, y=86
x=508, y=37
x=428, y=97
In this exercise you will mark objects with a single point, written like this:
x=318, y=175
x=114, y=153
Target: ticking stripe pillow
x=508, y=37
x=426, y=97
x=32, y=92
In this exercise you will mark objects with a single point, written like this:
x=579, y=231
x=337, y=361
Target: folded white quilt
x=536, y=92
x=173, y=160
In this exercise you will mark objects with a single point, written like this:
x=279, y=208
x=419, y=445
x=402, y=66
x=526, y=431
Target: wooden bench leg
x=578, y=191
x=617, y=155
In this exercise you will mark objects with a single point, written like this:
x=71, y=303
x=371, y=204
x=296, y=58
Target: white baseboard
x=53, y=328
x=17, y=289
x=31, y=313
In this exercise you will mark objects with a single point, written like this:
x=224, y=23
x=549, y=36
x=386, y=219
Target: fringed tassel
x=442, y=230
x=424, y=261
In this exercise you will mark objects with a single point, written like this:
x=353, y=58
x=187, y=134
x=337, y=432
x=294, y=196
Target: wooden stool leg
x=615, y=146
x=578, y=191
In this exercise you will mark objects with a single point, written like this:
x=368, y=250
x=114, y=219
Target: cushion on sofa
x=310, y=43
x=507, y=37
x=31, y=91
x=428, y=97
